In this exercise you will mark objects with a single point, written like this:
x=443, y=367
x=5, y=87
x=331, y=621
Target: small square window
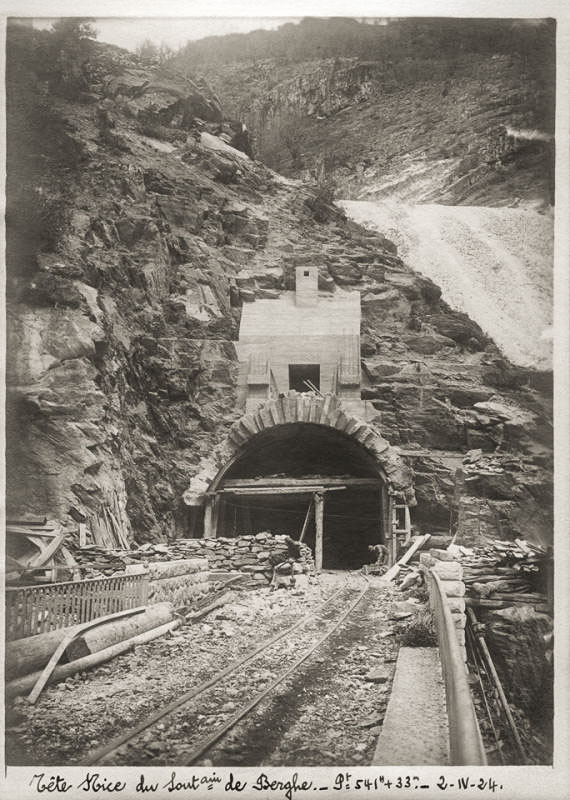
x=306, y=273
x=299, y=374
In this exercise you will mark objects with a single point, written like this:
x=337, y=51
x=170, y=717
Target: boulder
x=427, y=343
x=378, y=368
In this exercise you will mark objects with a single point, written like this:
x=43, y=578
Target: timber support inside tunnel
x=301, y=466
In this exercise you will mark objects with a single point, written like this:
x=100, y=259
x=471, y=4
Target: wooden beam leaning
x=418, y=543
x=319, y=501
x=306, y=522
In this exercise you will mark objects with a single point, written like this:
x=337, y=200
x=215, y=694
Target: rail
x=39, y=609
x=99, y=755
x=465, y=742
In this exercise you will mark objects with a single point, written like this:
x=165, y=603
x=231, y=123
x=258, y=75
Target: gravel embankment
x=494, y=264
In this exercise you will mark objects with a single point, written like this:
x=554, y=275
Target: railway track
x=187, y=722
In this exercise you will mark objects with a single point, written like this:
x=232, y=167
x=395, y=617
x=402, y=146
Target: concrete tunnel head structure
x=291, y=449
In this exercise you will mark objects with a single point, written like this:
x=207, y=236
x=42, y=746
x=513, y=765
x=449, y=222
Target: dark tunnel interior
x=352, y=515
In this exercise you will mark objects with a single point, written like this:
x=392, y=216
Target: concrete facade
x=301, y=334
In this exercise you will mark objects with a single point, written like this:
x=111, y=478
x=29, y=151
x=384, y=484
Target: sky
x=127, y=23
x=175, y=31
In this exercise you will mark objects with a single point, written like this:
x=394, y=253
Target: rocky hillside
x=449, y=111
x=135, y=234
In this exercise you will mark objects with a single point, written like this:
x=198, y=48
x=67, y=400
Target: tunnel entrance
x=309, y=480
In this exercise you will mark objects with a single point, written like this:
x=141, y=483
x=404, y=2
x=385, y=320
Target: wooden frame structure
x=317, y=487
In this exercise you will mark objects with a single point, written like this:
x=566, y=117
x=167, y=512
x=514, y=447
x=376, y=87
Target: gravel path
x=327, y=707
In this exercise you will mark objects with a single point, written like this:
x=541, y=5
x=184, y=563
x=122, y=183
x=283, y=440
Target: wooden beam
x=209, y=530
x=68, y=638
x=320, y=480
x=319, y=515
x=306, y=522
x=275, y=490
x=394, y=571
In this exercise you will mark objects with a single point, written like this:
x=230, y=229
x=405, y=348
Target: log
x=62, y=646
x=113, y=632
x=158, y=570
x=33, y=652
x=180, y=590
x=22, y=685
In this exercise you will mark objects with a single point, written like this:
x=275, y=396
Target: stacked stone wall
x=256, y=554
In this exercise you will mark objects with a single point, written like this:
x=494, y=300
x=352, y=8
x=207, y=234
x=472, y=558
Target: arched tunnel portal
x=316, y=473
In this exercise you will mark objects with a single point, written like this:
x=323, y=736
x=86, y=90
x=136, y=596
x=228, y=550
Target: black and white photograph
x=286, y=401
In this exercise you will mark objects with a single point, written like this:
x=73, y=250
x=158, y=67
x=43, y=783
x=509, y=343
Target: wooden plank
x=310, y=482
x=48, y=533
x=418, y=543
x=306, y=522
x=82, y=534
x=276, y=490
x=319, y=514
x=33, y=521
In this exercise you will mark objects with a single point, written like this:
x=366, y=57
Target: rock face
x=517, y=639
x=135, y=233
x=395, y=111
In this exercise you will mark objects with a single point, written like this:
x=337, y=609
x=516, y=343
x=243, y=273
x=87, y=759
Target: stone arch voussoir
x=294, y=407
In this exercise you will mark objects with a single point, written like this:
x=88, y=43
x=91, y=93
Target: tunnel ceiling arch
x=276, y=419
x=299, y=449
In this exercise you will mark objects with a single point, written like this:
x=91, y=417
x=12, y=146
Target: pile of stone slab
x=254, y=554
x=502, y=573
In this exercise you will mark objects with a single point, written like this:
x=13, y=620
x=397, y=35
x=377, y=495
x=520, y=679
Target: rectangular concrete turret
x=306, y=286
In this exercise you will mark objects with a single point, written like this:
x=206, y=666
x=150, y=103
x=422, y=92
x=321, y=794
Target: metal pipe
x=466, y=745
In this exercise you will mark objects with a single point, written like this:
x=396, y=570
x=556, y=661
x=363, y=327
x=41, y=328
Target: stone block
x=448, y=571
x=459, y=619
x=456, y=605
x=441, y=555
x=454, y=588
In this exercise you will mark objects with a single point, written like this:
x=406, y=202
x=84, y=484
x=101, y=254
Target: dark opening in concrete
x=271, y=483
x=301, y=376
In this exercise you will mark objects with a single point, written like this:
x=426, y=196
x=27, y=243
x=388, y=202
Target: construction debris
x=35, y=552
x=513, y=571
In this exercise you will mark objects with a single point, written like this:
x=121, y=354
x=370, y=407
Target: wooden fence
x=38, y=609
